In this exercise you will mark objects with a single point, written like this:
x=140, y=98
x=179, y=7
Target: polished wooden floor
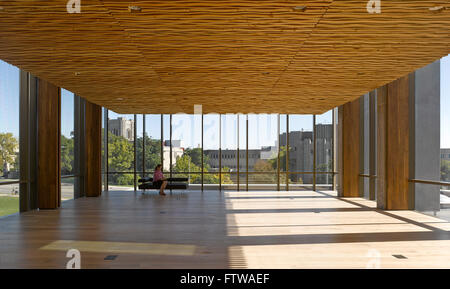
x=302, y=229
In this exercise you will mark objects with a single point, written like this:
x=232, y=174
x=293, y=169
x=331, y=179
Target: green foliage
x=264, y=166
x=16, y=165
x=120, y=154
x=120, y=159
x=184, y=164
x=283, y=153
x=123, y=179
x=67, y=155
x=196, y=156
x=152, y=153
x=8, y=147
x=226, y=178
x=445, y=171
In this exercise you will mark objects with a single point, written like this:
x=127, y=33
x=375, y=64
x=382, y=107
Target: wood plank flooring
x=301, y=229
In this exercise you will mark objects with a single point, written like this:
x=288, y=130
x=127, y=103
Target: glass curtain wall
x=9, y=139
x=239, y=152
x=67, y=145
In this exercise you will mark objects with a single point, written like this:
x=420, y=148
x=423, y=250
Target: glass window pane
x=301, y=148
x=263, y=142
x=445, y=131
x=300, y=181
x=261, y=181
x=229, y=146
x=166, y=144
x=67, y=188
x=242, y=143
x=9, y=138
x=103, y=149
x=324, y=149
x=283, y=144
x=139, y=145
x=211, y=144
x=67, y=132
x=120, y=150
x=67, y=144
x=186, y=148
x=152, y=142
x=263, y=151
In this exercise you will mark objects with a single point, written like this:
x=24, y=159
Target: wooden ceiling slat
x=229, y=56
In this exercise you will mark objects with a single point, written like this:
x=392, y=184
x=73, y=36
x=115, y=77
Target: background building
x=301, y=153
x=177, y=152
x=122, y=127
x=229, y=159
x=445, y=154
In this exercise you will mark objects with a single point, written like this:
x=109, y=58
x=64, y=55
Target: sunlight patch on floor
x=419, y=254
x=122, y=247
x=322, y=229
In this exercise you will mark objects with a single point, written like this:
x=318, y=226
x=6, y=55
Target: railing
x=10, y=183
x=368, y=176
x=68, y=176
x=419, y=181
x=241, y=183
x=429, y=182
x=210, y=172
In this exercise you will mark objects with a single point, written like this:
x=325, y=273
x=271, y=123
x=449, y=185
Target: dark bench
x=173, y=184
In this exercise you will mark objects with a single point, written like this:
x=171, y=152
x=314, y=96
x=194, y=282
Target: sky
x=262, y=128
x=67, y=113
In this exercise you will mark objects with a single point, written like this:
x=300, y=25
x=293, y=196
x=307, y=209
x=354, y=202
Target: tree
x=152, y=153
x=445, y=171
x=196, y=156
x=270, y=176
x=120, y=159
x=67, y=155
x=184, y=165
x=226, y=178
x=8, y=147
x=263, y=166
x=120, y=154
x=283, y=154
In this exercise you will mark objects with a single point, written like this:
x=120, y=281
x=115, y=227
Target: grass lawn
x=8, y=205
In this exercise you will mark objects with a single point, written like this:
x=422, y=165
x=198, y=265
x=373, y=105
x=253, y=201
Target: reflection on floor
x=301, y=229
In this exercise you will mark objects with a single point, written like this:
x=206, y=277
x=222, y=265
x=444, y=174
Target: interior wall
x=426, y=123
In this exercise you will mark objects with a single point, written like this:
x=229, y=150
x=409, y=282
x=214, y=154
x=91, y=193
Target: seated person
x=158, y=180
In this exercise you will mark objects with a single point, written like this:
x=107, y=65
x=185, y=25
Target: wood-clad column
x=93, y=149
x=48, y=157
x=393, y=134
x=349, y=152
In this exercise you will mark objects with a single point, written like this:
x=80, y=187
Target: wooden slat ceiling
x=229, y=56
